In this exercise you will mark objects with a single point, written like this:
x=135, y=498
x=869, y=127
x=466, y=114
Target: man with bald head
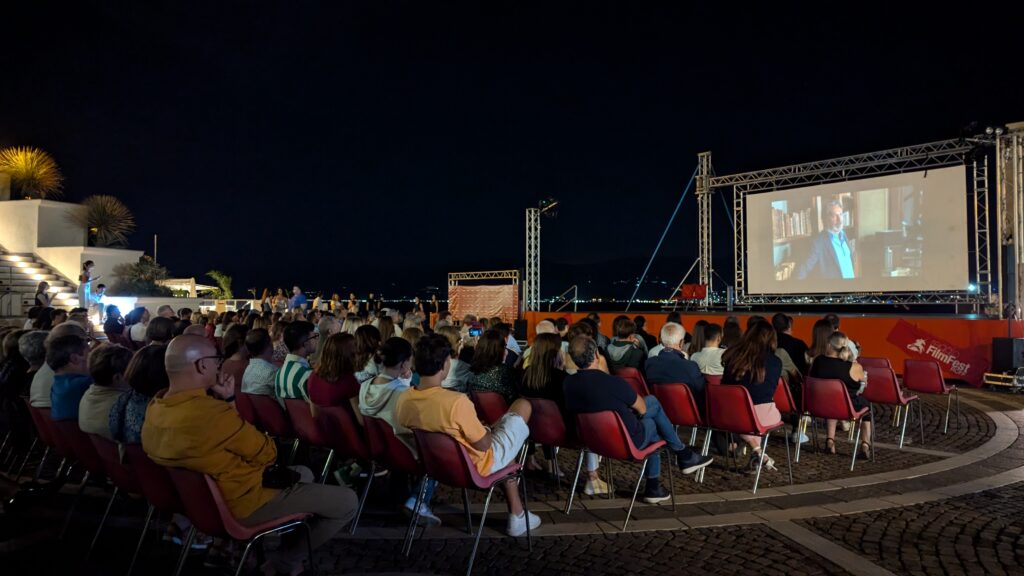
x=193, y=425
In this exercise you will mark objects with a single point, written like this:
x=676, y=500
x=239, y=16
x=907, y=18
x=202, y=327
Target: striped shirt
x=292, y=378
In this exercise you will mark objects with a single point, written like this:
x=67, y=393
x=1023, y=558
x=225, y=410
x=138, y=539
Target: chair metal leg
x=693, y=437
x=245, y=554
x=671, y=476
x=480, y=530
x=920, y=417
x=142, y=537
x=949, y=404
x=291, y=455
x=74, y=504
x=789, y=459
x=611, y=478
x=576, y=480
x=103, y=521
x=29, y=453
x=704, y=452
x=643, y=468
x=956, y=392
x=42, y=462
x=327, y=466
x=874, y=430
x=903, y=431
x=465, y=507
x=856, y=446
x=362, y=501
x=896, y=416
x=420, y=494
x=187, y=545
x=526, y=515
x=760, y=461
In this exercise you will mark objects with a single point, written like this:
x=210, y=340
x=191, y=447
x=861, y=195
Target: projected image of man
x=831, y=254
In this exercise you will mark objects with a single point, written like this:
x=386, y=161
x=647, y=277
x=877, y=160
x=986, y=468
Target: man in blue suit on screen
x=831, y=254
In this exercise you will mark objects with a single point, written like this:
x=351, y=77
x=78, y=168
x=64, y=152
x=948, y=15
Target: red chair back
x=713, y=379
x=45, y=424
x=490, y=406
x=635, y=379
x=246, y=409
x=271, y=417
x=874, y=363
x=448, y=462
x=924, y=376
x=678, y=403
x=79, y=445
x=730, y=409
x=547, y=425
x=783, y=398
x=387, y=450
x=605, y=434
x=123, y=475
x=301, y=415
x=883, y=388
x=828, y=398
x=154, y=480
x=341, y=432
x=42, y=429
x=200, y=507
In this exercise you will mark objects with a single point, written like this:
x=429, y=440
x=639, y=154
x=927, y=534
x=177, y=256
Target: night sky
x=378, y=146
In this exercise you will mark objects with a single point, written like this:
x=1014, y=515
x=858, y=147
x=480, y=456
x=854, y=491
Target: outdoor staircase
x=20, y=274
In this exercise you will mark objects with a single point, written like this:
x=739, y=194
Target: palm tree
x=223, y=291
x=33, y=171
x=107, y=219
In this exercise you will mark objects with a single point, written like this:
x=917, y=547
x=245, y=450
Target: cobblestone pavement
x=949, y=505
x=977, y=534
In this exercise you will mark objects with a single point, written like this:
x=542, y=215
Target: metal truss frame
x=704, y=194
x=455, y=277
x=531, y=285
x=895, y=160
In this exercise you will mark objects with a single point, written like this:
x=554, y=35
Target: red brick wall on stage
x=960, y=344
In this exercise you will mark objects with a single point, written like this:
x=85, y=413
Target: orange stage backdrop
x=962, y=346
x=484, y=301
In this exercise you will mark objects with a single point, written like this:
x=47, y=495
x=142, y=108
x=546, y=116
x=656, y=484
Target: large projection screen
x=900, y=233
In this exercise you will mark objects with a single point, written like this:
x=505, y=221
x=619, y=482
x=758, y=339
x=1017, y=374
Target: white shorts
x=508, y=435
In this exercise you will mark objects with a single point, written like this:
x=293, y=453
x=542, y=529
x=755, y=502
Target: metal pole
x=154, y=249
x=662, y=239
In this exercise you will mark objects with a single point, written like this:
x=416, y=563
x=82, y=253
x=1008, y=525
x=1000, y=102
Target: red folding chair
x=274, y=421
x=925, y=377
x=783, y=398
x=300, y=412
x=884, y=388
x=447, y=461
x=490, y=406
x=43, y=435
x=681, y=408
x=547, y=426
x=343, y=435
x=730, y=409
x=829, y=399
x=635, y=379
x=713, y=379
x=206, y=509
x=157, y=488
x=246, y=408
x=122, y=475
x=79, y=446
x=874, y=363
x=605, y=434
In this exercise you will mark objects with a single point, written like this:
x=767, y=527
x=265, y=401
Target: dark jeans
x=657, y=427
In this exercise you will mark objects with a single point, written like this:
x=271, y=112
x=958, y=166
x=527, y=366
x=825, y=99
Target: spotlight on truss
x=549, y=207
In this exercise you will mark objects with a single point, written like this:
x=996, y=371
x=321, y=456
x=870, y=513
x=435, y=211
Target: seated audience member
x=544, y=379
x=731, y=332
x=69, y=358
x=444, y=318
x=821, y=333
x=165, y=311
x=412, y=336
x=277, y=335
x=543, y=327
x=42, y=381
x=33, y=314
x=185, y=314
x=459, y=373
x=327, y=327
x=490, y=372
x=511, y=343
x=179, y=328
x=709, y=358
x=379, y=398
x=832, y=365
x=44, y=321
x=601, y=339
x=107, y=364
x=160, y=330
x=671, y=366
x=562, y=325
x=626, y=350
x=260, y=373
x=649, y=340
x=145, y=376
x=32, y=347
x=195, y=330
x=431, y=408
x=188, y=428
x=852, y=350
x=592, y=389
x=333, y=382
x=752, y=363
x=368, y=342
x=236, y=355
x=795, y=347
x=59, y=316
x=136, y=322
x=293, y=377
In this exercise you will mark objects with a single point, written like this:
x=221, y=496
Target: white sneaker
x=427, y=515
x=595, y=487
x=517, y=524
x=799, y=438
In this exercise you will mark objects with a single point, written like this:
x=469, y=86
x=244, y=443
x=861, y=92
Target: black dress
x=839, y=369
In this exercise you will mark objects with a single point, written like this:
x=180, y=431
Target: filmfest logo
x=955, y=361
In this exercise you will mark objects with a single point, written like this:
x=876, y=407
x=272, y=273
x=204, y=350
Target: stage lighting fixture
x=548, y=206
x=988, y=130
x=972, y=288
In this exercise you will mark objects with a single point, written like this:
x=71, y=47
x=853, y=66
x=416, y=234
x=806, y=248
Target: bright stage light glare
x=972, y=288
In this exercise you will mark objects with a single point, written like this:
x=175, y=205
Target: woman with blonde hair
x=387, y=327
x=277, y=336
